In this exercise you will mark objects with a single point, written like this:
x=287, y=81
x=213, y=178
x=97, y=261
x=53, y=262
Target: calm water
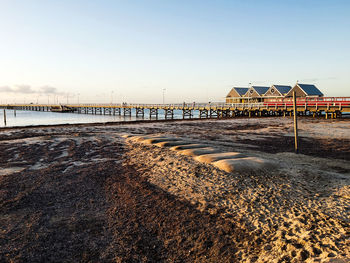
x=26, y=118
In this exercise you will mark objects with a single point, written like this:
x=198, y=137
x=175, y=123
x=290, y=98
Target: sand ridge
x=227, y=161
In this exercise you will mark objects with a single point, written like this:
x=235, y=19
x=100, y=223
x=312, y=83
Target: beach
x=87, y=193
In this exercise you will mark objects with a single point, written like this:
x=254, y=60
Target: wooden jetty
x=329, y=107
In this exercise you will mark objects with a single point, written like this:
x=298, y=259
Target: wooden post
x=5, y=117
x=295, y=122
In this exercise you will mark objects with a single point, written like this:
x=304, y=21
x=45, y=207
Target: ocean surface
x=28, y=118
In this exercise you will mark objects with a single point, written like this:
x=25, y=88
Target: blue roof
x=241, y=91
x=260, y=89
x=310, y=90
x=283, y=89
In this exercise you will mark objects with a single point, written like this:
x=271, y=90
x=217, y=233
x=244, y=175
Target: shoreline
x=116, y=123
x=86, y=124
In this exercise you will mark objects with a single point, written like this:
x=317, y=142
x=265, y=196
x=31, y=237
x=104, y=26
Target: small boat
x=61, y=108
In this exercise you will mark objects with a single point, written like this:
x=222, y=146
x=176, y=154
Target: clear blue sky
x=197, y=50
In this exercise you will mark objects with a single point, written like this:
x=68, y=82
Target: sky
x=136, y=51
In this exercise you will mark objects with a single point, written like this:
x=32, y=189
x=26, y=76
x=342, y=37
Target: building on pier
x=273, y=93
x=276, y=92
x=236, y=95
x=305, y=90
x=255, y=94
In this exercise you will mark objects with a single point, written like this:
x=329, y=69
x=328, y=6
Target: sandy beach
x=84, y=193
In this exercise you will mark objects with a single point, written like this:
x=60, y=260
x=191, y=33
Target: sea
x=21, y=118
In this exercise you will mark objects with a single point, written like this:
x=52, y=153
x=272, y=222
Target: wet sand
x=84, y=193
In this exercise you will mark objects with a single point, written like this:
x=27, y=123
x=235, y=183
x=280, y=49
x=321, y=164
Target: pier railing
x=171, y=105
x=283, y=102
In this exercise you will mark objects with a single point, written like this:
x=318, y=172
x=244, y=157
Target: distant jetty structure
x=255, y=101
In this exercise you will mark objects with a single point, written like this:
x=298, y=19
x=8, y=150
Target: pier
x=328, y=107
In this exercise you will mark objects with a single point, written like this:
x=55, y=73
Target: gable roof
x=260, y=89
x=237, y=92
x=310, y=90
x=283, y=89
x=241, y=91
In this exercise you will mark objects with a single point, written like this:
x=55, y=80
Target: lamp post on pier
x=163, y=94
